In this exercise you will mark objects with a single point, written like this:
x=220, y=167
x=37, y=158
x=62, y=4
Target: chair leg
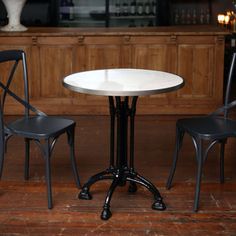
x=222, y=150
x=2, y=154
x=27, y=153
x=199, y=153
x=2, y=141
x=48, y=173
x=71, y=142
x=178, y=143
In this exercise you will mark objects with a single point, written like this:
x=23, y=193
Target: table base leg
x=121, y=170
x=120, y=178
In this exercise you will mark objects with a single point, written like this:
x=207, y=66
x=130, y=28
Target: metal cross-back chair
x=214, y=128
x=39, y=127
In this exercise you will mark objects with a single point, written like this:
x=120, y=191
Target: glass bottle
x=176, y=16
x=140, y=8
x=117, y=8
x=147, y=7
x=201, y=17
x=153, y=7
x=194, y=16
x=70, y=10
x=125, y=8
x=234, y=3
x=208, y=16
x=188, y=17
x=133, y=8
x=183, y=17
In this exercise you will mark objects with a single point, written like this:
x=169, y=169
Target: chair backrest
x=229, y=82
x=15, y=58
x=18, y=59
x=229, y=103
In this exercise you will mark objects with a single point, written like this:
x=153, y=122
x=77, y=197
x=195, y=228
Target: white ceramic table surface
x=123, y=82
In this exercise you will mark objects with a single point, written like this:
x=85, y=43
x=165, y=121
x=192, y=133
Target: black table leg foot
x=132, y=187
x=85, y=194
x=106, y=213
x=135, y=179
x=159, y=205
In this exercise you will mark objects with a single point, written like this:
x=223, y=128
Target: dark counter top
x=170, y=30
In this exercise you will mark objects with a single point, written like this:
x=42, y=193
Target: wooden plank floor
x=23, y=205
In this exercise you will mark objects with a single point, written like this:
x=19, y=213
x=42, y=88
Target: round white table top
x=123, y=82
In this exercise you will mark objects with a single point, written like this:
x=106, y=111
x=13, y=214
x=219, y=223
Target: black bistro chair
x=39, y=127
x=208, y=130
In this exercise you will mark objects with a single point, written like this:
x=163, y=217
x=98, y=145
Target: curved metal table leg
x=106, y=213
x=158, y=203
x=85, y=194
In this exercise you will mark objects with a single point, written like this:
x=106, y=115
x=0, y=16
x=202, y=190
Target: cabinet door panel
x=195, y=65
x=104, y=52
x=55, y=63
x=102, y=56
x=148, y=55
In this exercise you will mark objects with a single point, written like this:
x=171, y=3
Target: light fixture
x=226, y=19
x=221, y=18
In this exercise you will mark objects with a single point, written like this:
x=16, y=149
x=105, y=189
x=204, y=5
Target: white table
x=120, y=85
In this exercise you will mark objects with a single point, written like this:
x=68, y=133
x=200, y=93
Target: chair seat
x=40, y=126
x=208, y=127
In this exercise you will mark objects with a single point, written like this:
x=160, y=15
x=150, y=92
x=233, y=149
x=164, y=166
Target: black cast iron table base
x=121, y=171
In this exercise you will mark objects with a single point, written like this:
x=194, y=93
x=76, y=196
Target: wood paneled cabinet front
x=199, y=59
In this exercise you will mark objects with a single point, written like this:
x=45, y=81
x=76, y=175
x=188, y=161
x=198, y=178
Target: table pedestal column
x=121, y=170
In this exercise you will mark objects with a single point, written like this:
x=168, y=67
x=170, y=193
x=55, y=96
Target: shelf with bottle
x=108, y=13
x=190, y=12
x=132, y=11
x=188, y=16
x=82, y=13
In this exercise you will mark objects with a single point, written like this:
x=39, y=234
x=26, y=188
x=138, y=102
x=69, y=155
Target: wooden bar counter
x=194, y=52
